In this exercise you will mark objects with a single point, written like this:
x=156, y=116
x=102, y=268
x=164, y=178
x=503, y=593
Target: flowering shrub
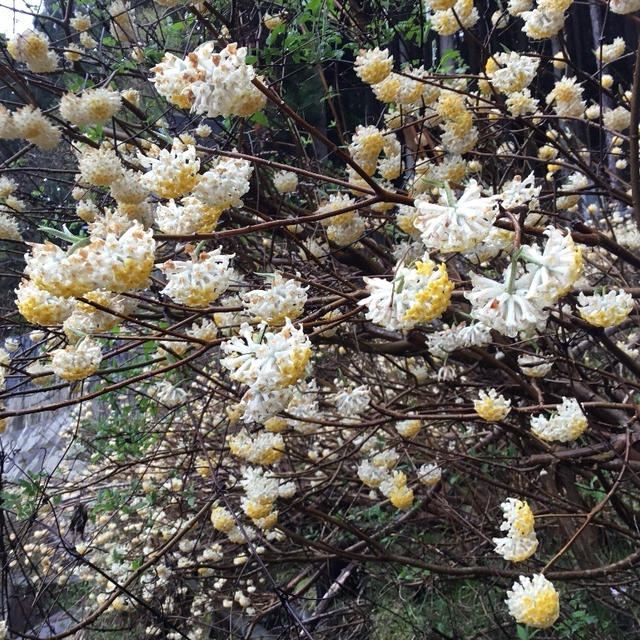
x=322, y=305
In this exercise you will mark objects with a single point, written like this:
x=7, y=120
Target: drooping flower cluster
x=605, y=310
x=416, y=295
x=373, y=65
x=284, y=299
x=225, y=183
x=32, y=48
x=534, y=602
x=76, y=362
x=218, y=84
x=567, y=424
x=172, y=173
x=93, y=106
x=265, y=360
x=458, y=225
x=491, y=406
x=521, y=541
x=199, y=281
x=114, y=263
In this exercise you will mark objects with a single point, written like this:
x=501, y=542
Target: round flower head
x=30, y=123
x=516, y=548
x=38, y=306
x=554, y=271
x=76, y=362
x=221, y=519
x=264, y=448
x=566, y=425
x=99, y=167
x=534, y=366
x=415, y=296
x=606, y=310
x=224, y=86
x=408, y=428
x=511, y=72
x=94, y=106
x=173, y=77
x=200, y=281
x=534, y=602
x=460, y=224
x=266, y=360
x=285, y=181
x=518, y=517
x=173, y=173
x=430, y=474
x=395, y=488
x=225, y=184
x=508, y=306
x=374, y=65
x=284, y=299
x=9, y=227
x=491, y=407
x=372, y=475
x=112, y=262
x=32, y=48
x=188, y=216
x=89, y=319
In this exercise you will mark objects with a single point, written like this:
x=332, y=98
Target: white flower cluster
x=285, y=181
x=76, y=362
x=348, y=402
x=458, y=225
x=225, y=184
x=32, y=48
x=533, y=365
x=113, y=263
x=284, y=299
x=218, y=84
x=172, y=173
x=513, y=72
x=30, y=123
x=200, y=281
x=343, y=228
x=188, y=216
x=415, y=296
x=566, y=425
x=94, y=106
x=265, y=360
x=88, y=319
x=521, y=541
x=533, y=601
x=605, y=310
x=519, y=304
x=460, y=336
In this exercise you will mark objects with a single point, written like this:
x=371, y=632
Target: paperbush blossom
x=225, y=183
x=567, y=424
x=284, y=299
x=460, y=224
x=93, y=106
x=265, y=360
x=605, y=310
x=32, y=48
x=414, y=296
x=172, y=173
x=76, y=362
x=221, y=84
x=199, y=281
x=534, y=602
x=490, y=406
x=507, y=306
x=534, y=366
x=521, y=541
x=373, y=65
x=113, y=263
